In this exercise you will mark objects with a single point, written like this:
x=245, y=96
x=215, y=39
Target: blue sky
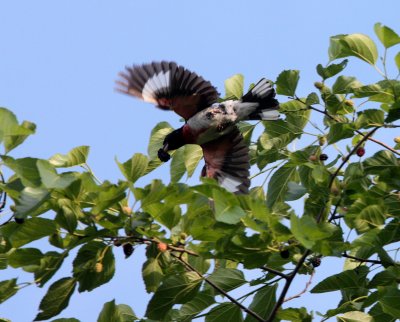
x=59, y=61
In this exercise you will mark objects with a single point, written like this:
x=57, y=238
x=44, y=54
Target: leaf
x=30, y=200
x=234, y=86
x=25, y=169
x=331, y=70
x=278, y=184
x=263, y=302
x=225, y=312
x=32, y=229
x=157, y=136
x=199, y=303
x=390, y=301
x=287, y=81
x=134, y=168
x=386, y=35
x=227, y=278
x=108, y=195
x=76, y=156
x=294, y=314
x=116, y=313
x=380, y=161
x=345, y=85
x=355, y=316
x=339, y=131
x=50, y=178
x=25, y=257
x=193, y=154
x=49, y=265
x=295, y=191
x=312, y=99
x=85, y=262
x=152, y=274
x=66, y=320
x=56, y=298
x=7, y=289
x=178, y=167
x=177, y=289
x=350, y=279
x=370, y=118
x=397, y=60
x=227, y=209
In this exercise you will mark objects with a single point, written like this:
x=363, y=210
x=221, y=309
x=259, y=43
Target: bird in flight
x=208, y=123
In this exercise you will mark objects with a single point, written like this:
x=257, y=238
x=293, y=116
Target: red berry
x=162, y=247
x=323, y=157
x=312, y=157
x=360, y=151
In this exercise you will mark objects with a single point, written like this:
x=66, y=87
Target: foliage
x=201, y=240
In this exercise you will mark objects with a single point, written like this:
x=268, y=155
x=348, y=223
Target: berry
x=315, y=261
x=360, y=151
x=127, y=210
x=323, y=157
x=321, y=140
x=397, y=139
x=349, y=103
x=128, y=249
x=284, y=253
x=19, y=220
x=312, y=157
x=117, y=242
x=319, y=85
x=162, y=247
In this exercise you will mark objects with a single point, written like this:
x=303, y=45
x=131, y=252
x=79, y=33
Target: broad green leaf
x=11, y=133
x=87, y=260
x=25, y=257
x=339, y=131
x=108, y=196
x=263, y=302
x=386, y=277
x=350, y=279
x=66, y=320
x=30, y=200
x=25, y=169
x=294, y=314
x=380, y=161
x=370, y=118
x=152, y=274
x=178, y=167
x=278, y=184
x=331, y=70
x=295, y=191
x=234, y=86
x=192, y=156
x=49, y=265
x=355, y=316
x=199, y=303
x=227, y=278
x=116, y=313
x=51, y=179
x=177, y=289
x=390, y=301
x=287, y=81
x=227, y=208
x=32, y=229
x=247, y=130
x=373, y=215
x=7, y=289
x=134, y=168
x=387, y=36
x=157, y=136
x=225, y=312
x=345, y=85
x=397, y=60
x=76, y=156
x=379, y=316
x=56, y=298
x=167, y=214
x=312, y=99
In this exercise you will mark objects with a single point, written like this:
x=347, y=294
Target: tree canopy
x=201, y=240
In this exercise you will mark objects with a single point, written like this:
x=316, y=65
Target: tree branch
x=363, y=260
x=274, y=271
x=303, y=291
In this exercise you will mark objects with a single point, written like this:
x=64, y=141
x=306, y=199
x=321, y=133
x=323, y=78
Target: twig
x=274, y=271
x=303, y=291
x=363, y=260
x=220, y=290
x=380, y=143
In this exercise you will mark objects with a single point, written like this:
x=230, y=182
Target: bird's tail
x=264, y=105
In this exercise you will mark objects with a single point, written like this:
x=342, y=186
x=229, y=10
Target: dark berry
x=360, y=152
x=315, y=261
x=323, y=157
x=285, y=253
x=128, y=249
x=19, y=220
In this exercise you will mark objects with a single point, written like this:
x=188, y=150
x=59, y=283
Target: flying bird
x=208, y=123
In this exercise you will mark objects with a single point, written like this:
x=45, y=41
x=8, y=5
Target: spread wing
x=227, y=160
x=169, y=87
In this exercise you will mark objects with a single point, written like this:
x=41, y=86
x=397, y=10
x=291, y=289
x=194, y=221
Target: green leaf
x=312, y=99
x=390, y=301
x=84, y=265
x=7, y=289
x=51, y=179
x=263, y=302
x=199, y=303
x=234, y=86
x=25, y=169
x=380, y=161
x=397, y=60
x=370, y=118
x=295, y=191
x=66, y=320
x=331, y=70
x=11, y=133
x=294, y=314
x=192, y=156
x=386, y=35
x=345, y=85
x=134, y=168
x=355, y=316
x=157, y=136
x=30, y=200
x=278, y=184
x=49, y=265
x=152, y=274
x=350, y=279
x=287, y=81
x=339, y=131
x=108, y=196
x=76, y=156
x=25, y=257
x=56, y=298
x=178, y=167
x=177, y=289
x=227, y=209
x=225, y=312
x=227, y=278
x=32, y=229
x=116, y=313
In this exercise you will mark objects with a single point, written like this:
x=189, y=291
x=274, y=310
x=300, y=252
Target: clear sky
x=59, y=61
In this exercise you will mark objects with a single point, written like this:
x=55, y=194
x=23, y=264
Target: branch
x=220, y=290
x=274, y=271
x=363, y=260
x=303, y=291
x=380, y=143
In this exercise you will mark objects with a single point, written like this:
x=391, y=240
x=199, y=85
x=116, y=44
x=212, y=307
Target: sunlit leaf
x=157, y=136
x=116, y=313
x=225, y=312
x=345, y=84
x=193, y=154
x=7, y=289
x=331, y=70
x=227, y=208
x=178, y=167
x=286, y=83
x=355, y=316
x=386, y=35
x=278, y=184
x=76, y=156
x=134, y=168
x=234, y=86
x=25, y=257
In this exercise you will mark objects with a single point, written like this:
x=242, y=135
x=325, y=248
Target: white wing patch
x=229, y=182
x=269, y=115
x=261, y=89
x=155, y=83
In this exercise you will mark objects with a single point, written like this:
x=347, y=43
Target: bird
x=210, y=123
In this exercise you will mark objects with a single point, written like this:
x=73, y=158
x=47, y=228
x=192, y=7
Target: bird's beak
x=163, y=154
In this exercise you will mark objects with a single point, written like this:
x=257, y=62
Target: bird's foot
x=163, y=155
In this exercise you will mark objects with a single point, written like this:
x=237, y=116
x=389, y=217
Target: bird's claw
x=163, y=156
